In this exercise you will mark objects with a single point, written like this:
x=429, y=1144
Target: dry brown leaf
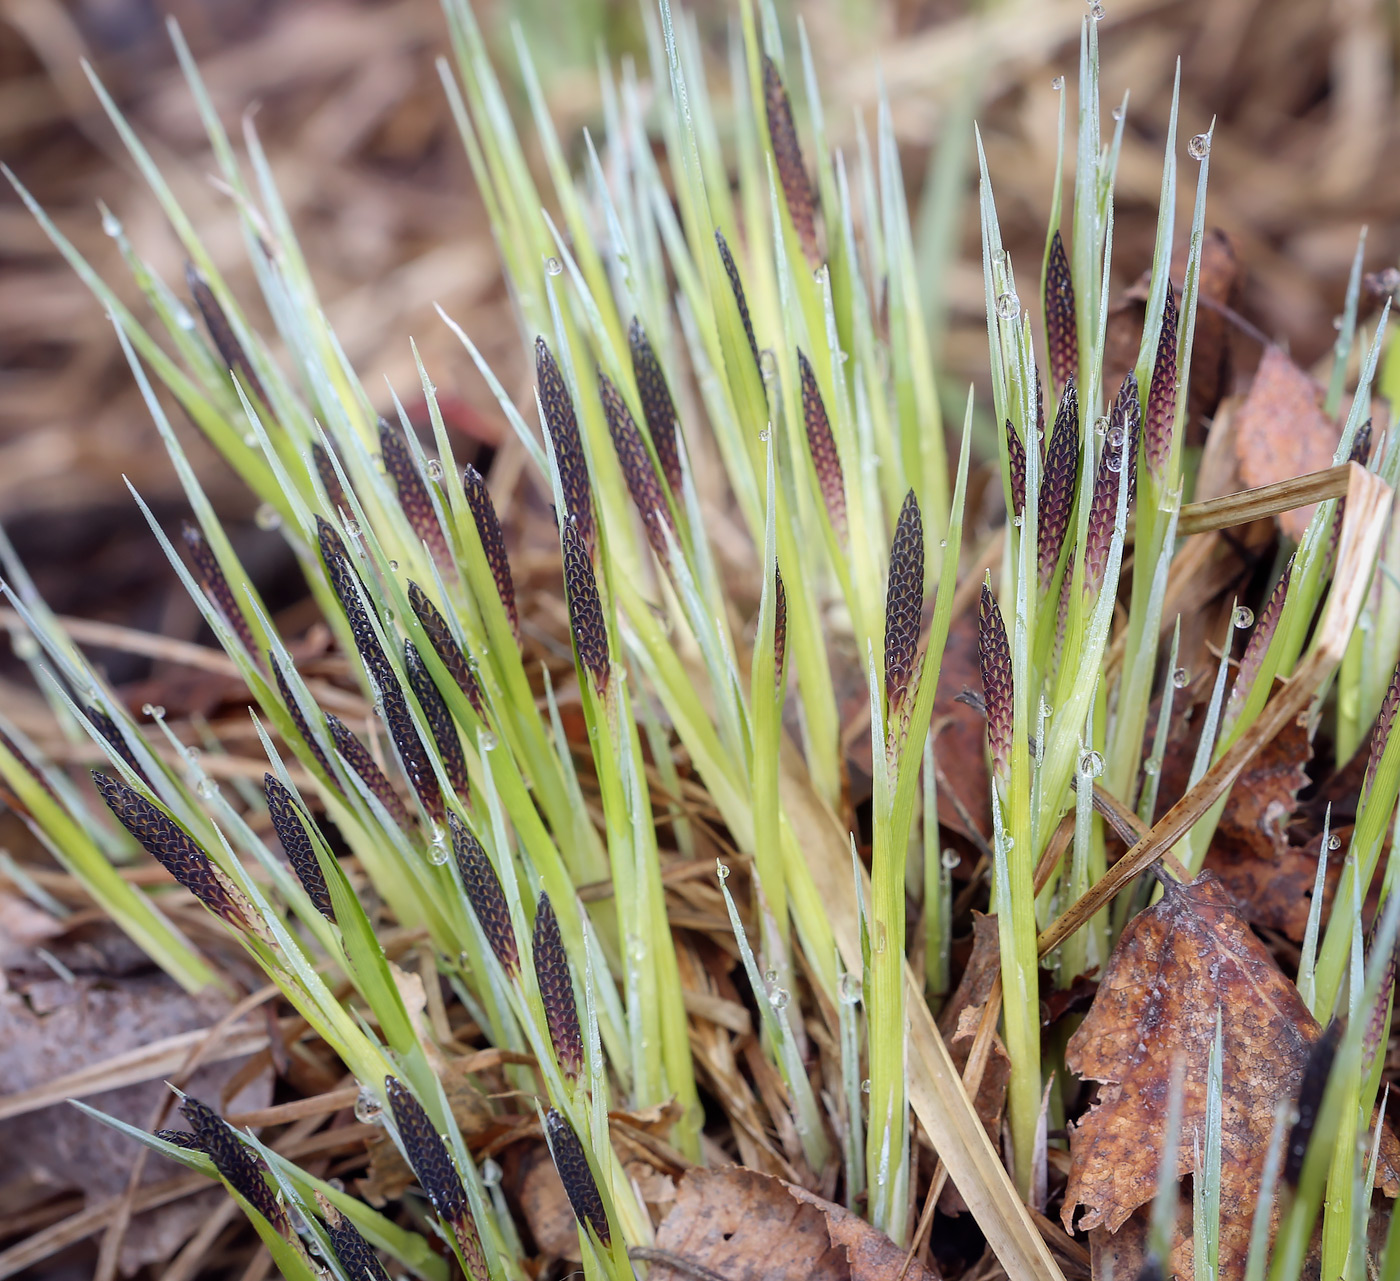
x=744, y=1226
x=1176, y=965
x=1281, y=431
x=959, y=1021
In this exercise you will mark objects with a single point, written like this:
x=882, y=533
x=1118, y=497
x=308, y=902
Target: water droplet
x=378, y=711
x=250, y=439
x=352, y=528
x=1181, y=678
x=951, y=859
x=437, y=848
x=764, y=434
x=337, y=1184
x=1199, y=146
x=154, y=710
x=943, y=542
x=1057, y=83
x=267, y=517
x=1018, y=520
x=184, y=320
x=1008, y=843
x=553, y=266
x=1152, y=766
x=206, y=787
x=848, y=988
x=1113, y=460
x=1091, y=763
x=1100, y=427
x=434, y=469
x=844, y=356
x=1118, y=113
x=721, y=870
x=1334, y=842
x=393, y=567
x=865, y=1086
x=491, y=1173
x=999, y=257
x=1243, y=616
x=1008, y=306
x=1114, y=439
x=296, y=1219
x=368, y=1109
x=1338, y=322
x=488, y=741
x=1096, y=12
x=780, y=997
x=111, y=224
x=768, y=364
x=770, y=977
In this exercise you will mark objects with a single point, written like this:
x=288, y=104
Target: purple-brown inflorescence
x=737, y=288
x=1061, y=327
x=289, y=824
x=1016, y=466
x=493, y=543
x=240, y=1169
x=585, y=607
x=1385, y=722
x=1258, y=645
x=115, y=739
x=1159, y=417
x=1057, y=484
x=186, y=1139
x=413, y=493
x=779, y=628
x=211, y=574
x=1125, y=425
x=787, y=153
x=1361, y=454
x=657, y=406
x=557, y=990
x=172, y=847
x=577, y=1177
x=439, y=720
x=484, y=893
x=221, y=334
x=330, y=481
x=904, y=603
x=822, y=445
x=445, y=646
x=358, y=757
x=357, y=1257
x=432, y=1166
x=637, y=469
x=294, y=711
x=1119, y=446
x=998, y=692
x=562, y=424
x=412, y=754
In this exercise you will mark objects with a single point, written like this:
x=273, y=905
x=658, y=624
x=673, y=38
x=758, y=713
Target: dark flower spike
x=439, y=720
x=585, y=607
x=30, y=768
x=1159, y=419
x=1125, y=425
x=484, y=892
x=562, y=425
x=637, y=469
x=288, y=823
x=171, y=846
x=221, y=334
x=206, y=565
x=998, y=692
x=904, y=603
x=1103, y=508
x=1385, y=722
x=239, y=1167
x=1310, y=1091
x=1057, y=484
x=433, y=1168
x=737, y=287
x=576, y=1176
x=413, y=756
x=779, y=628
x=822, y=445
x=294, y=711
x=357, y=756
x=1258, y=644
x=1016, y=465
x=330, y=481
x=787, y=154
x=186, y=1139
x=413, y=493
x=493, y=542
x=357, y=1257
x=1061, y=327
x=107, y=727
x=557, y=990
x=657, y=406
x=1360, y=453
x=445, y=646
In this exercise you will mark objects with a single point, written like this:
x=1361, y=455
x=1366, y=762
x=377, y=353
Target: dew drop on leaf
x=1199, y=146
x=267, y=517
x=434, y=469
x=1243, y=616
x=1091, y=763
x=1334, y=842
x=1181, y=678
x=553, y=266
x=1008, y=306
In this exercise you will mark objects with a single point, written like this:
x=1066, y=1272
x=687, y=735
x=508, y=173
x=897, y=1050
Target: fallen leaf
x=743, y=1226
x=1178, y=964
x=1281, y=431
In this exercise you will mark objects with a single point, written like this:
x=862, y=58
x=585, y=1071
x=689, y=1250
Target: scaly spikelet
x=221, y=334
x=787, y=154
x=657, y=406
x=173, y=848
x=288, y=822
x=412, y=754
x=445, y=646
x=1103, y=508
x=186, y=1139
x=1361, y=454
x=576, y=1176
x=998, y=692
x=239, y=1167
x=737, y=287
x=493, y=543
x=1125, y=424
x=1016, y=466
x=413, y=493
x=484, y=892
x=822, y=445
x=1061, y=327
x=904, y=603
x=294, y=711
x=1257, y=646
x=1057, y=484
x=1385, y=722
x=330, y=481
x=1159, y=420
x=107, y=727
x=562, y=425
x=357, y=1257
x=779, y=628
x=585, y=607
x=206, y=565
x=637, y=468
x=557, y=990
x=357, y=756
x=439, y=720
